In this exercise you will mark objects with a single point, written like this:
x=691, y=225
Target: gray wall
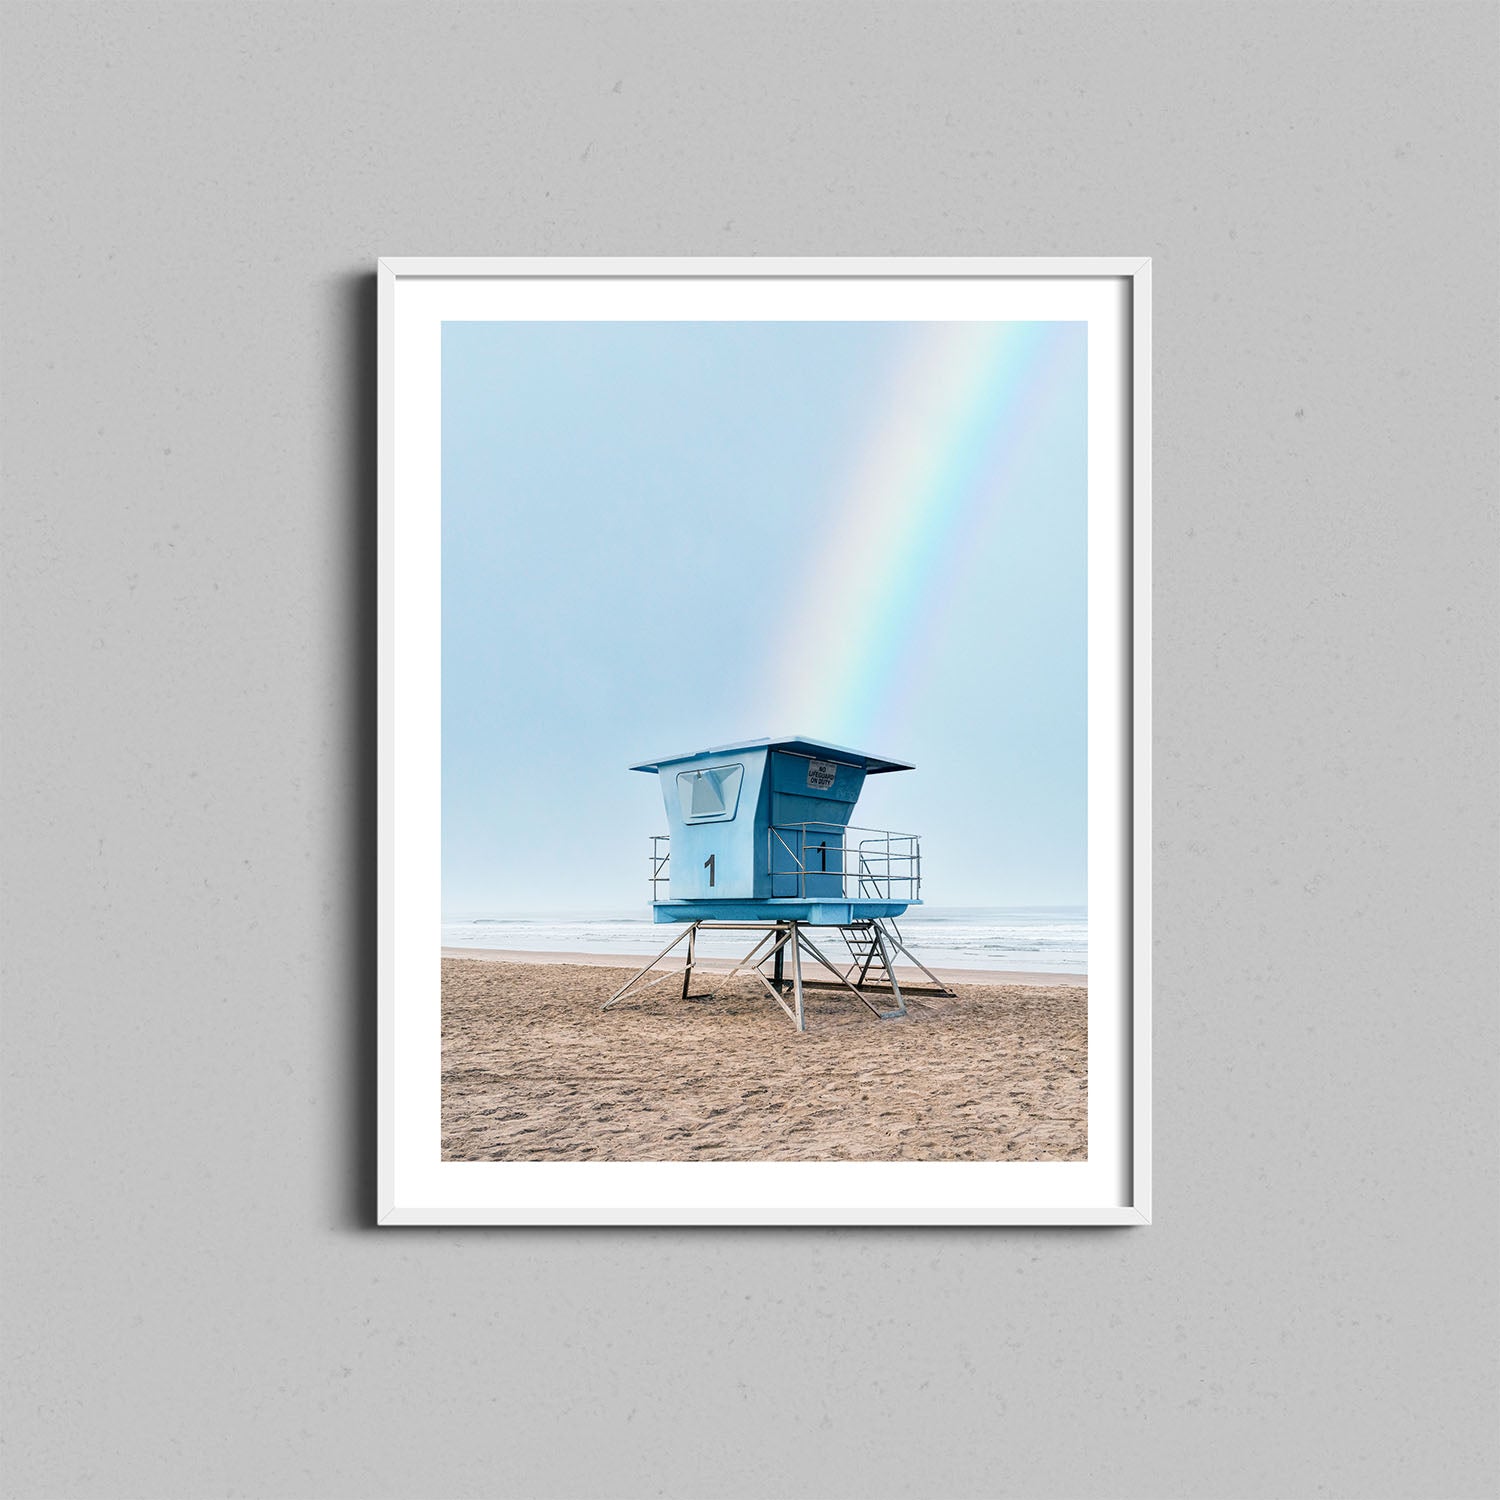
x=196, y=1306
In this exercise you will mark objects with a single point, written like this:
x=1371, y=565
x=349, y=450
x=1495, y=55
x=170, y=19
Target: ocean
x=1039, y=938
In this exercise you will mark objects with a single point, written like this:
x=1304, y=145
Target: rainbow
x=961, y=404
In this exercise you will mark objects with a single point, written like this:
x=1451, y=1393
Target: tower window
x=710, y=795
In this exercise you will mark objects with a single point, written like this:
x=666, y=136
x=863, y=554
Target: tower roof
x=796, y=744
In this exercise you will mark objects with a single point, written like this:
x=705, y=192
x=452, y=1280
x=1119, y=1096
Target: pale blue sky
x=634, y=517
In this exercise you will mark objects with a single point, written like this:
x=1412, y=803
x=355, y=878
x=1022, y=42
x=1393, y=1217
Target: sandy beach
x=534, y=1070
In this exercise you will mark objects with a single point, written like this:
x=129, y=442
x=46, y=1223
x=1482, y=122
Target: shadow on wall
x=355, y=1193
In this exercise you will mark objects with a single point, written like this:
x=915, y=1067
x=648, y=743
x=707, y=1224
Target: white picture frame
x=415, y=1186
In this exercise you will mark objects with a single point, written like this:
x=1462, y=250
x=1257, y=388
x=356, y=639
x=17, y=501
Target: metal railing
x=823, y=859
x=661, y=853
x=832, y=859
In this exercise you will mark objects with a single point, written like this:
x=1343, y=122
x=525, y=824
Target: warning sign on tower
x=820, y=774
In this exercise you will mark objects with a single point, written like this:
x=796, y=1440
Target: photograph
x=837, y=571
x=765, y=741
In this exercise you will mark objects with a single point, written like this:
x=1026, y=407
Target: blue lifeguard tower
x=761, y=840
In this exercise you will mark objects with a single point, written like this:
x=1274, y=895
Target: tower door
x=807, y=861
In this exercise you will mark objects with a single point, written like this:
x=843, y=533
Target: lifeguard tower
x=761, y=840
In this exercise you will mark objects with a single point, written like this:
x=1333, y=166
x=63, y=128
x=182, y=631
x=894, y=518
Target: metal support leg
x=631, y=983
x=885, y=942
x=801, y=1017
x=893, y=935
x=752, y=962
x=843, y=979
x=890, y=971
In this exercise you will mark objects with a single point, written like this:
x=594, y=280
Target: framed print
x=764, y=741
